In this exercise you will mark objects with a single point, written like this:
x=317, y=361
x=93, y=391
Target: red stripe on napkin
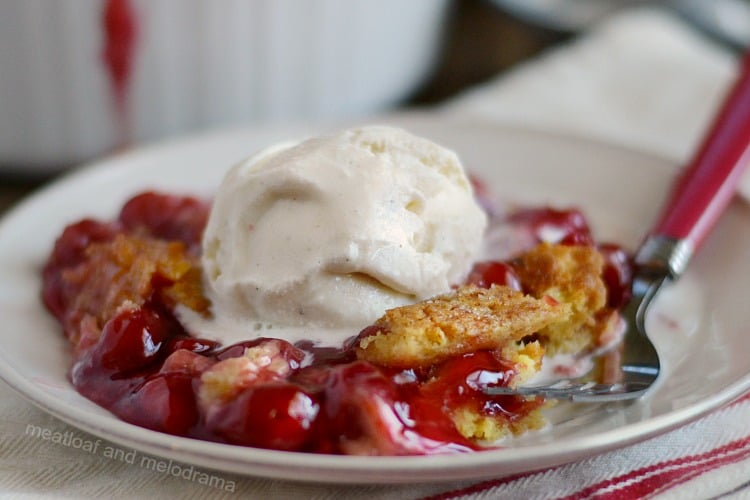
x=648, y=480
x=745, y=397
x=665, y=475
x=484, y=486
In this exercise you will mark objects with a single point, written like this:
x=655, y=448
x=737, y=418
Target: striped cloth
x=707, y=459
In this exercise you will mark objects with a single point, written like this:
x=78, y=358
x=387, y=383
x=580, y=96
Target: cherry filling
x=486, y=274
x=166, y=217
x=555, y=226
x=147, y=373
x=618, y=274
x=567, y=227
x=136, y=360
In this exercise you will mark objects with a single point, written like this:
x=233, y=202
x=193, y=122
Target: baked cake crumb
x=571, y=274
x=227, y=378
x=563, y=310
x=128, y=270
x=489, y=428
x=463, y=321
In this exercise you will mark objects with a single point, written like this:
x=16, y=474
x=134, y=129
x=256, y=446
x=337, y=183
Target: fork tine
x=577, y=391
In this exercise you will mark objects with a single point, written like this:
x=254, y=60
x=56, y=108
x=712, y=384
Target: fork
x=698, y=198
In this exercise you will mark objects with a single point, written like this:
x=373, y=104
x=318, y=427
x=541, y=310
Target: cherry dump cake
x=409, y=382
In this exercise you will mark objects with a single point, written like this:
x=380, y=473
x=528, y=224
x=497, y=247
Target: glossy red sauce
x=146, y=369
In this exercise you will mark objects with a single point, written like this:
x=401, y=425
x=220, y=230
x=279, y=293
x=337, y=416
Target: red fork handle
x=710, y=179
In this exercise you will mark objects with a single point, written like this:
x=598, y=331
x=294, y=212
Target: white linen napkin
x=643, y=80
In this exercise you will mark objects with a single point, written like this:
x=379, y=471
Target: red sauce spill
x=120, y=26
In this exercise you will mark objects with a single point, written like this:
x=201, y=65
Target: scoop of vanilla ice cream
x=334, y=230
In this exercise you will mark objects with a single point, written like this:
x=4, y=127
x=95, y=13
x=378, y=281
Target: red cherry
x=462, y=378
x=131, y=340
x=276, y=415
x=70, y=250
x=197, y=345
x=56, y=293
x=187, y=362
x=98, y=385
x=358, y=413
x=617, y=274
x=165, y=403
x=486, y=274
x=555, y=226
x=577, y=238
x=126, y=352
x=368, y=412
x=167, y=217
x=70, y=247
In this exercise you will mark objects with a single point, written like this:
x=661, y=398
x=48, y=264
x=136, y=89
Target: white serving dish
x=200, y=64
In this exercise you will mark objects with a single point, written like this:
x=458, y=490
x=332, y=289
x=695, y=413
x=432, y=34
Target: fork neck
x=662, y=256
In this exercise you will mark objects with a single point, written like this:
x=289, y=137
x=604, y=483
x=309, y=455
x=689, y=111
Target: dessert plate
x=700, y=325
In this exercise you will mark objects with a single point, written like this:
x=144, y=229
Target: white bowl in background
x=198, y=64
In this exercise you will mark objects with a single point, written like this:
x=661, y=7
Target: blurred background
x=80, y=79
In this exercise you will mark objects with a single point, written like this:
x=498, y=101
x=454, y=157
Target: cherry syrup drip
x=120, y=30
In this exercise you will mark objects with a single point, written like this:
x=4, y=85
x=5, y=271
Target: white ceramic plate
x=700, y=327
